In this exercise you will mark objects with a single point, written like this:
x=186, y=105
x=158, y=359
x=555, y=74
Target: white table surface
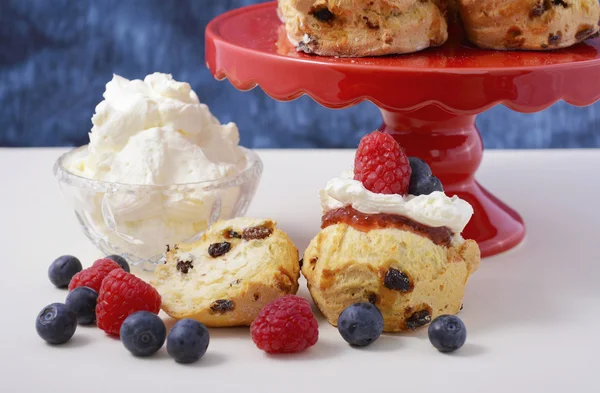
x=533, y=314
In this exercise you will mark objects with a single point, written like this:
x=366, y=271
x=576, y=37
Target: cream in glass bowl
x=159, y=169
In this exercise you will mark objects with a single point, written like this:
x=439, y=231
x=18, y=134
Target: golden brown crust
x=529, y=24
x=356, y=28
x=405, y=275
x=231, y=289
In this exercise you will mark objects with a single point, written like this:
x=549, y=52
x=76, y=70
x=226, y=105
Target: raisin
x=256, y=233
x=217, y=249
x=418, y=319
x=231, y=234
x=397, y=280
x=373, y=298
x=584, y=33
x=554, y=39
x=323, y=14
x=222, y=306
x=538, y=9
x=560, y=2
x=184, y=266
x=461, y=306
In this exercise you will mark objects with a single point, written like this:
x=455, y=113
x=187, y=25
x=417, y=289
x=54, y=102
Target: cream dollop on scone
x=379, y=244
x=228, y=276
x=529, y=24
x=356, y=28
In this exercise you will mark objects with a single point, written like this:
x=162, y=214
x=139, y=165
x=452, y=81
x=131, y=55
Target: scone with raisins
x=357, y=28
x=406, y=275
x=390, y=236
x=529, y=24
x=226, y=278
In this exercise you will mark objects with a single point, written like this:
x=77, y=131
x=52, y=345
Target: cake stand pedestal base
x=452, y=146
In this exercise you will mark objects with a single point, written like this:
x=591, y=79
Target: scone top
x=386, y=181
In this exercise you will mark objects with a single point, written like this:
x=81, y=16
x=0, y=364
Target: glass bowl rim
x=254, y=168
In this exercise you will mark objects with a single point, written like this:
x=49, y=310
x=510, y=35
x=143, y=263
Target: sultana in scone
x=357, y=28
x=227, y=277
x=529, y=24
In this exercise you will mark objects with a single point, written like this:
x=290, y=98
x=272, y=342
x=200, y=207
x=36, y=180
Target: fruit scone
x=390, y=236
x=356, y=28
x=529, y=24
x=230, y=274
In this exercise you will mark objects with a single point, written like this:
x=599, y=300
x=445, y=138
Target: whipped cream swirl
x=434, y=210
x=156, y=132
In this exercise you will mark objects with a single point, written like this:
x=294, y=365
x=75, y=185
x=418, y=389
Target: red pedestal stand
x=429, y=99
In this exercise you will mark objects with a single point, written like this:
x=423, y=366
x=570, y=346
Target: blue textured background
x=56, y=56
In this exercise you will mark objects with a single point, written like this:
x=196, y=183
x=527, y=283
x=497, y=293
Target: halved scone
x=228, y=276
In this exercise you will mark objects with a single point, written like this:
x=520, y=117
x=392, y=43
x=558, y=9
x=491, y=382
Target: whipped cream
x=156, y=132
x=434, y=210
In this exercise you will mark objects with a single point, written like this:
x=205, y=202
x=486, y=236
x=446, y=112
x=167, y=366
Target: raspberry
x=381, y=165
x=93, y=276
x=120, y=295
x=284, y=326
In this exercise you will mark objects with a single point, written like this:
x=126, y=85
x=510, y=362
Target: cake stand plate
x=429, y=100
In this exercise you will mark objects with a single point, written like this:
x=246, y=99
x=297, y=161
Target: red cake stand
x=429, y=100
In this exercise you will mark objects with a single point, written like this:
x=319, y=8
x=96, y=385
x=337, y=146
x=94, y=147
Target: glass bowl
x=139, y=221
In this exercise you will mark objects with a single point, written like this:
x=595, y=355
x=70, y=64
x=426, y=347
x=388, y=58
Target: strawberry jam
x=441, y=236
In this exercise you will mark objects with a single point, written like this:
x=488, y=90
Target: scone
x=226, y=278
x=392, y=237
x=356, y=28
x=408, y=277
x=529, y=24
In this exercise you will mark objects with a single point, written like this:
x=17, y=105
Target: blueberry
x=187, y=341
x=447, y=333
x=82, y=301
x=425, y=185
x=419, y=168
x=360, y=324
x=62, y=270
x=120, y=261
x=143, y=333
x=56, y=323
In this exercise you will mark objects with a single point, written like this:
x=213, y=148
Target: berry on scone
x=381, y=165
x=82, y=301
x=94, y=275
x=419, y=168
x=143, y=333
x=422, y=181
x=62, y=270
x=447, y=333
x=187, y=341
x=56, y=323
x=360, y=324
x=120, y=261
x=120, y=295
x=285, y=325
